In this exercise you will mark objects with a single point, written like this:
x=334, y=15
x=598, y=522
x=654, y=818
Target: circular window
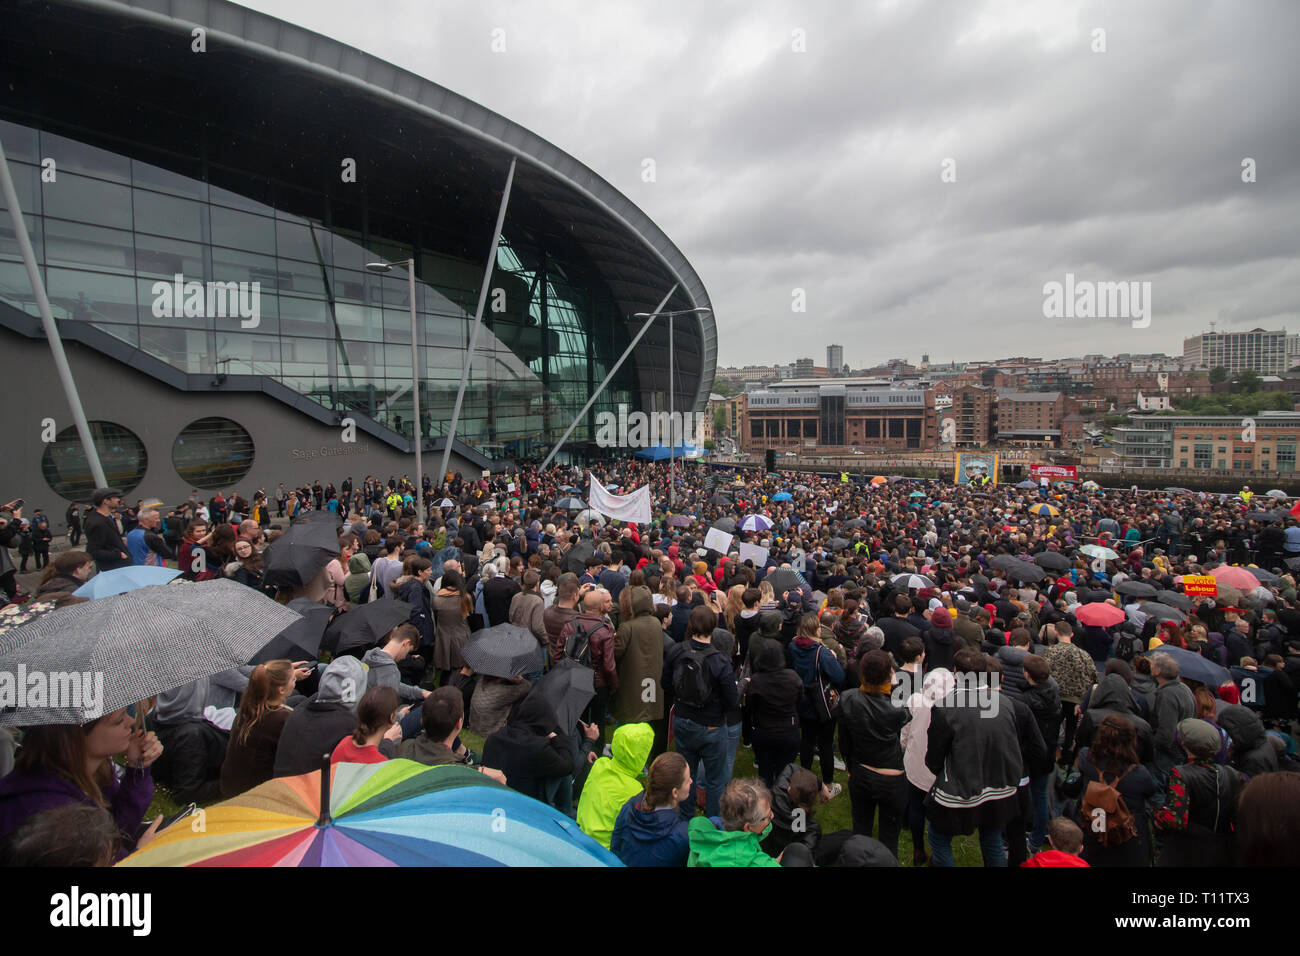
x=121, y=454
x=212, y=453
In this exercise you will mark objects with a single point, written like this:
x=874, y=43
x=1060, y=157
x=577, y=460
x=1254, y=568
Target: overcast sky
x=779, y=168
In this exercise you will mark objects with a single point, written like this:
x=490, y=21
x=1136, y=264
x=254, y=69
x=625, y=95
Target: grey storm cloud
x=819, y=169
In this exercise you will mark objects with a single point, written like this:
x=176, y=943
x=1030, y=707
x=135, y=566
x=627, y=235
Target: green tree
x=1218, y=374
x=1248, y=381
x=709, y=444
x=720, y=421
x=724, y=388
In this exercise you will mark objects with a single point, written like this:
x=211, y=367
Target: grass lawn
x=832, y=816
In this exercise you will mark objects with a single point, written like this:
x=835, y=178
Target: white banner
x=718, y=540
x=752, y=552
x=632, y=508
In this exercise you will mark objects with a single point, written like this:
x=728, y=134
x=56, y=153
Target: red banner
x=1055, y=472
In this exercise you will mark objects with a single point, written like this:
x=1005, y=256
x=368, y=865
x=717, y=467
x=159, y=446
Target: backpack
x=1104, y=812
x=692, y=680
x=578, y=646
x=1128, y=646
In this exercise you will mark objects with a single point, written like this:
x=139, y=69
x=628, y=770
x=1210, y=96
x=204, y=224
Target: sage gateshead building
x=204, y=187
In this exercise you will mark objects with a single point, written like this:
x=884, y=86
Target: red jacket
x=600, y=637
x=1054, y=858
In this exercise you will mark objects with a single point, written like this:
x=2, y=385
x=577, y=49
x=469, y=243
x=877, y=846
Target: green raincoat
x=614, y=780
x=711, y=846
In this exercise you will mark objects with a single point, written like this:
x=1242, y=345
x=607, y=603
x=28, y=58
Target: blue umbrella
x=782, y=496
x=917, y=494
x=121, y=580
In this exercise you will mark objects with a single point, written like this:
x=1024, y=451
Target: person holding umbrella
x=61, y=764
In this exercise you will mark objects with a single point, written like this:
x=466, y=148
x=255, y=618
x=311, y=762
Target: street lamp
x=382, y=268
x=672, y=458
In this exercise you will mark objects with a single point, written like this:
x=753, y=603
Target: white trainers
x=840, y=765
x=835, y=791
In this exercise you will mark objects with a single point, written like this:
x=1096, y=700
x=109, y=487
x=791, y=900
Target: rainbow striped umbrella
x=396, y=813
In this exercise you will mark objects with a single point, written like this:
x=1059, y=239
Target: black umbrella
x=1023, y=571
x=1052, y=560
x=1136, y=589
x=1293, y=563
x=680, y=521
x=300, y=640
x=505, y=650
x=139, y=644
x=722, y=501
x=1090, y=596
x=853, y=524
x=568, y=687
x=1176, y=599
x=576, y=559
x=1193, y=666
x=1162, y=612
x=979, y=580
x=300, y=554
x=783, y=579
x=1265, y=577
x=1265, y=516
x=571, y=504
x=837, y=544
x=366, y=625
x=725, y=524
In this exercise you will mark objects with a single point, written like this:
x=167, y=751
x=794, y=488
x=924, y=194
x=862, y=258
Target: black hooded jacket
x=527, y=754
x=1112, y=696
x=1252, y=753
x=773, y=692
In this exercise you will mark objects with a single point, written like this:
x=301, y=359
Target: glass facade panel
x=116, y=229
x=88, y=200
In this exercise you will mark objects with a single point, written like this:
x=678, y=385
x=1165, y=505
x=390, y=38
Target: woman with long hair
x=452, y=608
x=67, y=572
x=649, y=830
x=667, y=593
x=378, y=713
x=1112, y=758
x=337, y=570
x=250, y=758
x=733, y=606
x=61, y=765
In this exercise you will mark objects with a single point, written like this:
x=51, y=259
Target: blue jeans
x=733, y=744
x=1038, y=794
x=696, y=743
x=993, y=849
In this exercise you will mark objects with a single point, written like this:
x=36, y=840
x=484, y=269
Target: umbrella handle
x=324, y=819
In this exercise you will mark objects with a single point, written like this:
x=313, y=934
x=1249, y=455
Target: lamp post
x=672, y=457
x=382, y=268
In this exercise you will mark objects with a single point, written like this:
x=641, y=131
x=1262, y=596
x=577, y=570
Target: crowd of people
x=1021, y=664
